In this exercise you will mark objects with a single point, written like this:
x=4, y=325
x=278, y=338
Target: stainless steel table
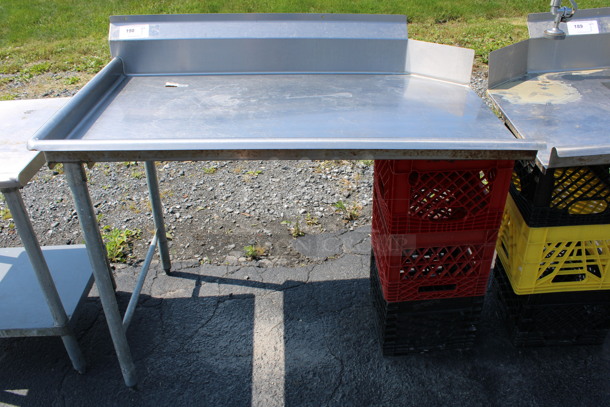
x=557, y=92
x=266, y=86
x=40, y=288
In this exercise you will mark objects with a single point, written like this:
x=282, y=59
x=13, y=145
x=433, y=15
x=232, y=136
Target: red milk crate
x=441, y=196
x=426, y=266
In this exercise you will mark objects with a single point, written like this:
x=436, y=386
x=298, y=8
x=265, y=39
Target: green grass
x=254, y=252
x=349, y=211
x=40, y=36
x=5, y=214
x=118, y=243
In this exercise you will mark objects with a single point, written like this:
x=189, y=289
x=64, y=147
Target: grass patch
x=137, y=174
x=8, y=96
x=71, y=80
x=311, y=220
x=294, y=229
x=51, y=36
x=482, y=35
x=349, y=211
x=254, y=252
x=119, y=242
x=5, y=214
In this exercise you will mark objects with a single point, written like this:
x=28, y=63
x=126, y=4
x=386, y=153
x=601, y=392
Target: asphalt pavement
x=211, y=335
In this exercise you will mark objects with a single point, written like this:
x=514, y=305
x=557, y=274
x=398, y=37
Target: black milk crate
x=552, y=319
x=428, y=325
x=562, y=196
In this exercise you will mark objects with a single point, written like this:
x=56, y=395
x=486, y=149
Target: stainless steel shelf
x=23, y=308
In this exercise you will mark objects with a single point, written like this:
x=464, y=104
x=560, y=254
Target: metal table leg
x=101, y=268
x=157, y=210
x=43, y=275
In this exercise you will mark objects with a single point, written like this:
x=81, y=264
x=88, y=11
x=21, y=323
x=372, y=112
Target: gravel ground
x=213, y=210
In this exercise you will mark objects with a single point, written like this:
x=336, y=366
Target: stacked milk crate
x=552, y=272
x=435, y=225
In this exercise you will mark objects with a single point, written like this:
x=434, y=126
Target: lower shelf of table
x=23, y=309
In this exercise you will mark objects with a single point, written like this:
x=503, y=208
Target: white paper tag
x=134, y=31
x=583, y=27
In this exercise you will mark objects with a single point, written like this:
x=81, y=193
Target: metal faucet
x=562, y=15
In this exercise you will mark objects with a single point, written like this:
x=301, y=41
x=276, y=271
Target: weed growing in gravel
x=118, y=243
x=72, y=80
x=137, y=174
x=5, y=214
x=254, y=252
x=131, y=206
x=58, y=169
x=349, y=211
x=249, y=175
x=311, y=220
x=210, y=170
x=167, y=193
x=294, y=229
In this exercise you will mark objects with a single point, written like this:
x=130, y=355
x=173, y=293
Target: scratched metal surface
x=276, y=86
x=359, y=113
x=19, y=120
x=568, y=110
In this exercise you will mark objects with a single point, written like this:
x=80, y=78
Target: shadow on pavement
x=238, y=338
x=333, y=357
x=187, y=351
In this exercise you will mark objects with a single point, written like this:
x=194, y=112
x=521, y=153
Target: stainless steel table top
x=19, y=120
x=557, y=92
x=289, y=116
x=277, y=86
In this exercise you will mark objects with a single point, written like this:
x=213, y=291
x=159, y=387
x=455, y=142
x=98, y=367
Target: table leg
x=43, y=275
x=101, y=268
x=157, y=210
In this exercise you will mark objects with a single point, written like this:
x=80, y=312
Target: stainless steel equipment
x=40, y=288
x=557, y=92
x=588, y=21
x=561, y=15
x=265, y=86
x=301, y=86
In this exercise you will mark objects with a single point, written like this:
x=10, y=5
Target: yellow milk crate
x=553, y=259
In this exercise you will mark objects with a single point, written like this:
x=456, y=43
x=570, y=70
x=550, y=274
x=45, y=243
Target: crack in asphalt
x=340, y=375
x=203, y=325
x=61, y=387
x=153, y=282
x=84, y=331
